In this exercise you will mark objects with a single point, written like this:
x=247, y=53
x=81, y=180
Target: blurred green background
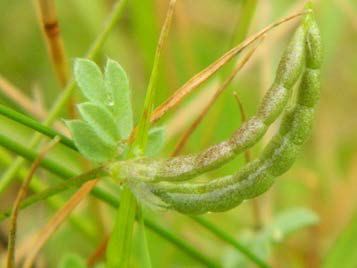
x=323, y=180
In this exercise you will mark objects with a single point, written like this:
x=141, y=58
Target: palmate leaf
x=89, y=143
x=107, y=116
x=90, y=80
x=117, y=84
x=98, y=117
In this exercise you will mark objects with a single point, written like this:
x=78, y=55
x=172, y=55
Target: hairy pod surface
x=254, y=179
x=275, y=100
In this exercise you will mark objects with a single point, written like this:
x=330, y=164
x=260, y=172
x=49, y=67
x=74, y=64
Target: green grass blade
x=144, y=123
x=343, y=252
x=144, y=249
x=31, y=123
x=120, y=243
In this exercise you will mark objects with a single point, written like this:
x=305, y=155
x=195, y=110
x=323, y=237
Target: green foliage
x=72, y=261
x=343, y=252
x=108, y=116
x=278, y=156
x=288, y=222
x=120, y=242
x=156, y=140
x=119, y=97
x=145, y=259
x=90, y=80
x=261, y=242
x=198, y=39
x=101, y=120
x=89, y=143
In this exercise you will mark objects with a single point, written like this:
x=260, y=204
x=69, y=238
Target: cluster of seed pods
x=302, y=58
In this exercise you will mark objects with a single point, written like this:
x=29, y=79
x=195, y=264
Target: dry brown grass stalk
x=10, y=261
x=55, y=222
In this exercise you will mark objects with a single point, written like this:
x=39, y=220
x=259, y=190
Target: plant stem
x=119, y=247
x=227, y=238
x=144, y=124
x=120, y=243
x=112, y=201
x=181, y=244
x=29, y=122
x=55, y=202
x=62, y=172
x=20, y=196
x=144, y=249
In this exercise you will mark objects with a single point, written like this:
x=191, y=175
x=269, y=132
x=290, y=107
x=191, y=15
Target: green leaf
x=89, y=143
x=90, y=80
x=261, y=242
x=72, y=261
x=290, y=221
x=101, y=120
x=343, y=253
x=156, y=140
x=118, y=88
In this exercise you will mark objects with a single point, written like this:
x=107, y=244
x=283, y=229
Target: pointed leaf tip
x=90, y=81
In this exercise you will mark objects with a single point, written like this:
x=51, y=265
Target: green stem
x=181, y=244
x=113, y=201
x=144, y=249
x=227, y=238
x=144, y=124
x=27, y=121
x=119, y=247
x=62, y=172
x=46, y=163
x=55, y=202
x=120, y=243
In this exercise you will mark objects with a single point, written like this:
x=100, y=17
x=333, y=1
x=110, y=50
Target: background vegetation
x=322, y=184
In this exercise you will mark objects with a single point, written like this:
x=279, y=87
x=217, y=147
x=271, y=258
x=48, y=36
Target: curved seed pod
x=278, y=156
x=186, y=167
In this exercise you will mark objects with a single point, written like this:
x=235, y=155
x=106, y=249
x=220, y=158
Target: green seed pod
x=225, y=193
x=186, y=167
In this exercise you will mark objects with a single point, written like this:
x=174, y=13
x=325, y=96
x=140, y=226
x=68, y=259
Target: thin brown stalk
x=16, y=95
x=248, y=157
x=53, y=38
x=55, y=222
x=10, y=261
x=98, y=253
x=202, y=76
x=219, y=91
x=52, y=34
